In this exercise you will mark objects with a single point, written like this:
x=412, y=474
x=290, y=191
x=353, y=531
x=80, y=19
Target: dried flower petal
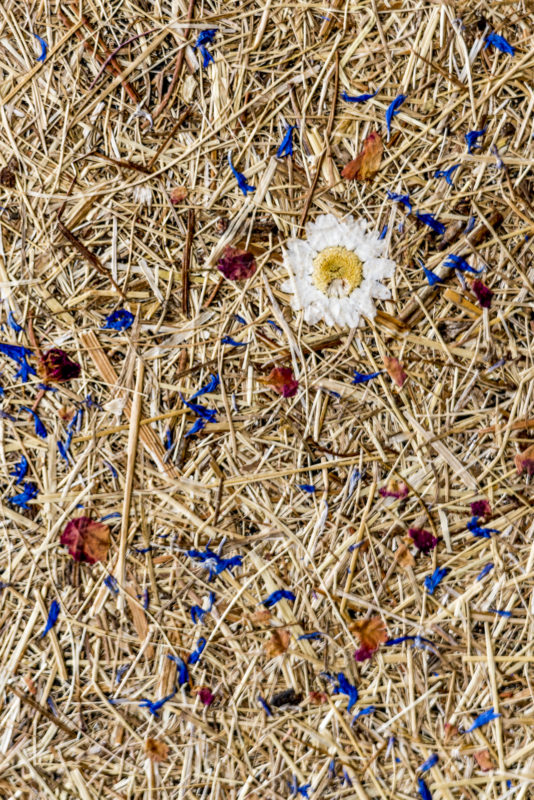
x=367, y=163
x=449, y=732
x=178, y=195
x=237, y=265
x=206, y=696
x=277, y=644
x=57, y=367
x=481, y=508
x=394, y=488
x=482, y=293
x=156, y=750
x=317, y=698
x=525, y=461
x=371, y=633
x=484, y=761
x=395, y=370
x=260, y=617
x=86, y=539
x=423, y=540
x=282, y=380
x=404, y=557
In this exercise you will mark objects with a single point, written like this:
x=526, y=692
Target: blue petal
x=53, y=614
x=119, y=320
x=429, y=763
x=485, y=571
x=401, y=198
x=13, y=323
x=361, y=377
x=40, y=429
x=307, y=487
x=471, y=138
x=345, y=687
x=500, y=43
x=44, y=48
x=20, y=469
x=275, y=597
x=209, y=387
x=431, y=221
x=197, y=652
x=240, y=178
x=286, y=146
x=459, y=263
x=229, y=340
x=424, y=791
x=483, y=719
x=359, y=98
x=208, y=414
x=446, y=173
x=431, y=277
x=393, y=110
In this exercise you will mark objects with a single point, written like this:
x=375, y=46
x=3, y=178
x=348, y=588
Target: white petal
x=379, y=268
x=324, y=232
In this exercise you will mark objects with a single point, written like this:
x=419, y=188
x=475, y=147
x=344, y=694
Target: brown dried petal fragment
x=404, y=557
x=395, y=370
x=86, y=539
x=371, y=632
x=484, y=761
x=237, y=265
x=178, y=195
x=260, y=617
x=277, y=644
x=525, y=461
x=157, y=751
x=367, y=163
x=282, y=380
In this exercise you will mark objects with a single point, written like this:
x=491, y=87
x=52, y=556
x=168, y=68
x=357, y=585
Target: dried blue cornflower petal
x=208, y=414
x=209, y=387
x=19, y=354
x=424, y=791
x=214, y=563
x=383, y=232
x=484, y=571
x=119, y=320
x=13, y=324
x=433, y=581
x=53, y=614
x=311, y=636
x=471, y=139
x=275, y=597
x=286, y=145
x=401, y=198
x=111, y=583
x=459, y=263
x=500, y=43
x=197, y=426
x=431, y=276
x=181, y=669
x=241, y=320
x=483, y=719
x=44, y=48
x=20, y=469
x=431, y=221
x=29, y=492
x=120, y=672
x=345, y=687
x=417, y=640
x=205, y=37
x=265, y=705
x=154, y=708
x=429, y=763
x=40, y=429
x=361, y=377
x=233, y=342
x=197, y=652
x=307, y=487
x=296, y=789
x=358, y=98
x=500, y=613
x=240, y=178
x=446, y=173
x=476, y=530
x=198, y=613
x=363, y=713
x=392, y=111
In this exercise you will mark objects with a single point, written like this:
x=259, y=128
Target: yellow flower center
x=337, y=271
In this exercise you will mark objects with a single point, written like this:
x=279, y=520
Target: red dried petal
x=178, y=195
x=86, y=539
x=423, y=540
x=394, y=489
x=482, y=293
x=364, y=653
x=57, y=367
x=395, y=370
x=206, y=696
x=282, y=380
x=367, y=163
x=237, y=265
x=481, y=508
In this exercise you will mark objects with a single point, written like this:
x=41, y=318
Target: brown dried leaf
x=395, y=370
x=525, y=460
x=484, y=761
x=371, y=632
x=278, y=643
x=157, y=751
x=367, y=163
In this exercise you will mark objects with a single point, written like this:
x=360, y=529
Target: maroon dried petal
x=394, y=489
x=364, y=653
x=481, y=508
x=86, y=539
x=482, y=292
x=525, y=461
x=282, y=380
x=57, y=367
x=237, y=265
x=206, y=696
x=423, y=540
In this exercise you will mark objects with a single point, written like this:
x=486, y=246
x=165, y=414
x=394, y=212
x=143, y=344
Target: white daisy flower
x=335, y=272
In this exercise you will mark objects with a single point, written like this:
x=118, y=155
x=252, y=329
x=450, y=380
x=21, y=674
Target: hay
x=116, y=193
